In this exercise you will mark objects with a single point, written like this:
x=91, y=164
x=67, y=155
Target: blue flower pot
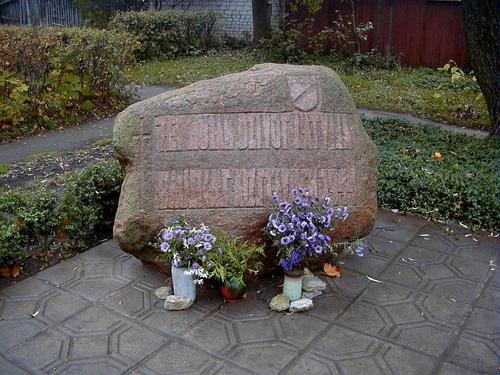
x=183, y=284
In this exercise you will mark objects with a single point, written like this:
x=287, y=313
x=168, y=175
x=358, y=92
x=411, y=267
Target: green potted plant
x=232, y=264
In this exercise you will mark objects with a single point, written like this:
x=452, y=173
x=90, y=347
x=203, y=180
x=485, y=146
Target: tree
x=482, y=35
x=262, y=13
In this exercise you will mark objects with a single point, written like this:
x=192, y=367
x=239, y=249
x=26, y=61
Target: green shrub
x=90, y=202
x=462, y=182
x=51, y=77
x=170, y=33
x=47, y=221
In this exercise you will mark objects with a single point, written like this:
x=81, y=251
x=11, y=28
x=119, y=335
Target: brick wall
x=236, y=15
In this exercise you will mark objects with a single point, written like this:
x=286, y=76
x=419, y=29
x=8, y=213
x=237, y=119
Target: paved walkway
x=78, y=137
x=434, y=311
x=74, y=138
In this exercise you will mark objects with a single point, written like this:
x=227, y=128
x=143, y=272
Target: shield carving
x=304, y=93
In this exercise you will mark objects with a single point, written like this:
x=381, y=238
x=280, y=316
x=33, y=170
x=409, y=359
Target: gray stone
x=163, y=292
x=206, y=150
x=279, y=303
x=177, y=303
x=302, y=304
x=311, y=283
x=313, y=294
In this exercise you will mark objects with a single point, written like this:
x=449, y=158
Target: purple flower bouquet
x=298, y=229
x=186, y=246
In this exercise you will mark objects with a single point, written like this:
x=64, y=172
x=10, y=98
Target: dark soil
x=49, y=169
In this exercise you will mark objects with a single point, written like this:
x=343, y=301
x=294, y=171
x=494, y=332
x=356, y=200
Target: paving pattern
x=435, y=311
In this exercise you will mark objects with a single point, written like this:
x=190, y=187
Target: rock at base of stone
x=163, y=292
x=177, y=303
x=307, y=272
x=301, y=305
x=279, y=303
x=311, y=295
x=312, y=283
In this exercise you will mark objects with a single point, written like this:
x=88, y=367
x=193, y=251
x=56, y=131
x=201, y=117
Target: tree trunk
x=262, y=13
x=482, y=34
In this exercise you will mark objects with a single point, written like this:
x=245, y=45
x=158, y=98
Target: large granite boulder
x=214, y=152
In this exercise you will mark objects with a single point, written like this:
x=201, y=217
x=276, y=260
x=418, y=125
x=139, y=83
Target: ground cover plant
x=438, y=174
x=424, y=92
x=55, y=77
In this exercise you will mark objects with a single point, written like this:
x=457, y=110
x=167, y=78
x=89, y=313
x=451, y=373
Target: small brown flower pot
x=232, y=294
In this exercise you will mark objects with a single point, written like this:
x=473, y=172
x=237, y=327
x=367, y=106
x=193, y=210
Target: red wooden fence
x=424, y=32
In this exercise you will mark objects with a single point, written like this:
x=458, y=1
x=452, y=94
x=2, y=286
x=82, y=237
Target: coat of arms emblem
x=304, y=93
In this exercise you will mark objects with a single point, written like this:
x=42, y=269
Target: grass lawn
x=422, y=92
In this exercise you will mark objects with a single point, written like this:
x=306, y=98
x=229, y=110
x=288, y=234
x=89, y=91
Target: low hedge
x=51, y=77
x=461, y=182
x=169, y=33
x=49, y=221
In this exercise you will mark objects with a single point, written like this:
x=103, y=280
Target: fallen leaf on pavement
x=5, y=271
x=332, y=271
x=16, y=270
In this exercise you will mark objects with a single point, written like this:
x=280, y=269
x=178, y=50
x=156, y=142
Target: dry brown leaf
x=5, y=271
x=16, y=270
x=436, y=156
x=332, y=271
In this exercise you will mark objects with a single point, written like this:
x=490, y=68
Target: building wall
x=236, y=14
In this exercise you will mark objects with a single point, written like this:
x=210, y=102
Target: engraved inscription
x=248, y=188
x=253, y=131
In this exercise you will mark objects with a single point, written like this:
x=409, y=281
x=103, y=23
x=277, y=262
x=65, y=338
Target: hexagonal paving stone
x=15, y=309
x=263, y=358
x=9, y=368
x=403, y=361
x=366, y=318
x=39, y=352
x=372, y=264
x=177, y=357
x=350, y=284
x=358, y=366
x=62, y=305
x=312, y=365
x=136, y=343
x=339, y=342
x=15, y=332
x=172, y=322
x=132, y=300
x=88, y=347
x=27, y=288
x=300, y=329
x=424, y=337
x=484, y=322
x=97, y=288
x=213, y=334
x=91, y=369
x=490, y=298
x=451, y=369
x=96, y=319
x=62, y=272
x=255, y=330
x=475, y=353
x=132, y=269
